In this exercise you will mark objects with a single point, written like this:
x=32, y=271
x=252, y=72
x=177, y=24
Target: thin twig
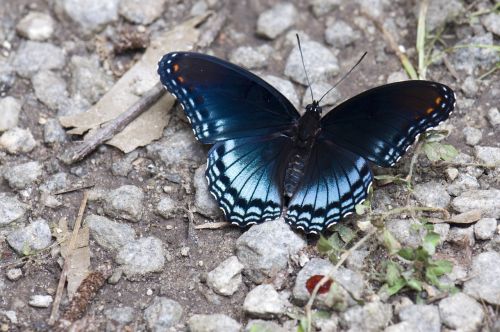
x=213, y=225
x=116, y=125
x=72, y=189
x=400, y=210
x=324, y=280
x=422, y=68
x=414, y=159
x=64, y=273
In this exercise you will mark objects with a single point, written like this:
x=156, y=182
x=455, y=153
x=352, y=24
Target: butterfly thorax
x=303, y=137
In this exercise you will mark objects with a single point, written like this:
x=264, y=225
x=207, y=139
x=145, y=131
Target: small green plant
x=435, y=150
x=337, y=243
x=412, y=268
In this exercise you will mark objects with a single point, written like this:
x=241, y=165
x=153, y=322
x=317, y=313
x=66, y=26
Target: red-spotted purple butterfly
x=266, y=156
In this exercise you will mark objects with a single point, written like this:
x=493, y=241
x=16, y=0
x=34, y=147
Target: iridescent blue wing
x=245, y=176
x=380, y=124
x=334, y=181
x=224, y=101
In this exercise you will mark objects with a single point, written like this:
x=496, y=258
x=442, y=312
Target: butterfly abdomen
x=294, y=172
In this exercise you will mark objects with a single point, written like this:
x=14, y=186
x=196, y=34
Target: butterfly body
x=267, y=160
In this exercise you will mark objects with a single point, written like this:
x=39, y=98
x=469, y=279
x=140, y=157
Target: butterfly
x=267, y=160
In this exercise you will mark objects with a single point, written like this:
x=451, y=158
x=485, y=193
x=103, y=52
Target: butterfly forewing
x=224, y=101
x=246, y=177
x=380, y=124
x=334, y=181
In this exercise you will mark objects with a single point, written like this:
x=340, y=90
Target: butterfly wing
x=224, y=101
x=245, y=176
x=380, y=124
x=334, y=181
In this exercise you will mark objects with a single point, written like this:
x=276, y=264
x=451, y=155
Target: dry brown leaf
x=139, y=79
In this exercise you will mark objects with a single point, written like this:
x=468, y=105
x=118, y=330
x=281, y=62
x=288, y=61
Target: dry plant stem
x=70, y=190
x=324, y=280
x=445, y=213
x=422, y=67
x=213, y=225
x=414, y=159
x=107, y=132
x=64, y=272
x=395, y=47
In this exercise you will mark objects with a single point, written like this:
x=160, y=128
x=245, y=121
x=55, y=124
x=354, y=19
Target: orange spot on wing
x=175, y=67
x=438, y=100
x=429, y=110
x=181, y=79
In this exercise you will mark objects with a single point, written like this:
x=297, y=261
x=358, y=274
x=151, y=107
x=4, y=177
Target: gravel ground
x=59, y=57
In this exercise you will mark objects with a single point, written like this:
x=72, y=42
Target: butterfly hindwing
x=222, y=100
x=334, y=182
x=380, y=124
x=246, y=177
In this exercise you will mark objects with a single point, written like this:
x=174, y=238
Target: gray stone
x=376, y=8
x=461, y=312
x=488, y=154
x=40, y=301
x=443, y=230
x=36, y=26
x=123, y=166
x=264, y=301
x=276, y=20
x=285, y=87
x=323, y=7
x=125, y=202
x=371, y=317
x=225, y=279
x=451, y=173
x=109, y=234
x=50, y=88
x=163, y=314
x=401, y=327
x=179, y=148
x=463, y=183
x=10, y=314
x=472, y=135
x=485, y=228
x=432, y=194
x=55, y=183
x=88, y=79
x=213, y=323
x=320, y=62
x=34, y=56
x=141, y=11
x=35, y=236
x=351, y=281
x=53, y=132
x=408, y=232
x=204, y=201
x=263, y=326
x=10, y=108
x=251, y=57
x=199, y=8
x=141, y=256
x=441, y=12
x=118, y=317
x=319, y=89
x=484, y=283
x=265, y=249
x=17, y=140
x=14, y=274
x=74, y=105
x=10, y=209
x=461, y=236
x=167, y=207
x=356, y=259
x=340, y=34
x=470, y=59
x=397, y=76
x=470, y=87
x=23, y=175
x=491, y=22
x=90, y=15
x=422, y=318
x=7, y=75
x=494, y=116
x=488, y=201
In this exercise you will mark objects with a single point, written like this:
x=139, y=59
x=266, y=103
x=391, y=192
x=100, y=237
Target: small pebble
x=40, y=301
x=14, y=274
x=36, y=26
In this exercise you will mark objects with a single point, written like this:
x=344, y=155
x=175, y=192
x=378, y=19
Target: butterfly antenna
x=303, y=65
x=343, y=77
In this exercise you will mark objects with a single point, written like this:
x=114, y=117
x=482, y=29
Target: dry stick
x=213, y=225
x=114, y=126
x=329, y=276
x=72, y=189
x=395, y=47
x=64, y=272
